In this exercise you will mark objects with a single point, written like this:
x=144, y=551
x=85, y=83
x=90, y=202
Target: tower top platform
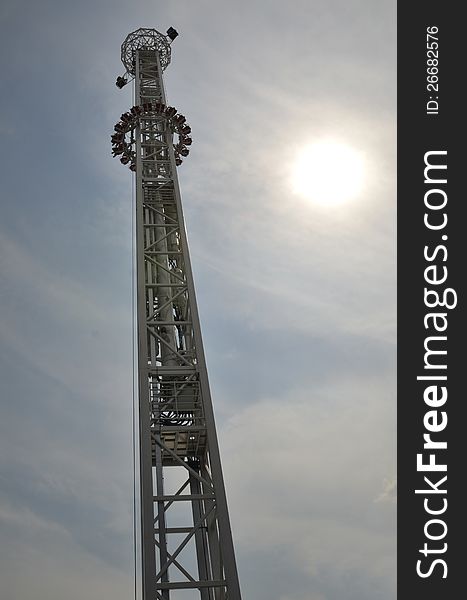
x=145, y=39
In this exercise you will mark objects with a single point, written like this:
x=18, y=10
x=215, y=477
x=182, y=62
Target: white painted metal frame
x=176, y=422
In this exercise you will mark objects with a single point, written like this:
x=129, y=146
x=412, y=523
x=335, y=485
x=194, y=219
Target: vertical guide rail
x=185, y=531
x=145, y=459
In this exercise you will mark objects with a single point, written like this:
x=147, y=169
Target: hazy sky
x=297, y=301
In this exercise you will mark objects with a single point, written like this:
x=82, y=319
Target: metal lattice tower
x=186, y=540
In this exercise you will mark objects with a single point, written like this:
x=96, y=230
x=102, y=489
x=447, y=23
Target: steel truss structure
x=186, y=540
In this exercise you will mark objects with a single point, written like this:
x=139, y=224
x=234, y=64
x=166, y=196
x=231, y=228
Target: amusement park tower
x=186, y=540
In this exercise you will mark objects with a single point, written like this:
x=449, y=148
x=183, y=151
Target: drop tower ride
x=185, y=535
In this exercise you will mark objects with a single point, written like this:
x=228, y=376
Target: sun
x=328, y=172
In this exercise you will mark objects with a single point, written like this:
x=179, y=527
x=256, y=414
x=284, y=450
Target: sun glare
x=328, y=173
